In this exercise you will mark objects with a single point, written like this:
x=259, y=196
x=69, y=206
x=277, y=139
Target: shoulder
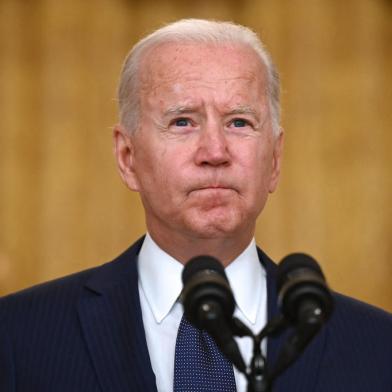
x=351, y=307
x=346, y=309
x=360, y=334
x=58, y=291
x=360, y=319
x=62, y=293
x=358, y=347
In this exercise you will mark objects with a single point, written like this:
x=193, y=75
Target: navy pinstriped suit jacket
x=85, y=333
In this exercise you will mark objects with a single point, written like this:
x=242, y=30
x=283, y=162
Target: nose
x=212, y=148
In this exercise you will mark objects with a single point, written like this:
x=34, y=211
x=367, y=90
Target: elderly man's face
x=204, y=157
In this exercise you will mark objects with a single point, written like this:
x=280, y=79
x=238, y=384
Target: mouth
x=214, y=188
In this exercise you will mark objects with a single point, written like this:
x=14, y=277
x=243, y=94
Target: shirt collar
x=245, y=275
x=160, y=278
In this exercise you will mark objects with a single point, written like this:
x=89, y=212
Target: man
x=199, y=139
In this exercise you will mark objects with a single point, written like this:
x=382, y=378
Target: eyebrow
x=179, y=109
x=243, y=110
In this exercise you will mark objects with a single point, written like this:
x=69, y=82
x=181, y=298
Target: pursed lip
x=213, y=187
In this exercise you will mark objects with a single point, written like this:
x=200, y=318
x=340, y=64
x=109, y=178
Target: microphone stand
x=304, y=298
x=260, y=377
x=257, y=374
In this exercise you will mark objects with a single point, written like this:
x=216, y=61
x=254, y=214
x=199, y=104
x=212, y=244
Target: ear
x=276, y=161
x=125, y=156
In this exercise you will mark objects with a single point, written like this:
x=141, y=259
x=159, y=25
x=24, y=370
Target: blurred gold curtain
x=62, y=205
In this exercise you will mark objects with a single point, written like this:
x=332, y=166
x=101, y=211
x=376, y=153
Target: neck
x=183, y=248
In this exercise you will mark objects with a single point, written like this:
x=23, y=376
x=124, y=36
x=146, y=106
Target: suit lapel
x=112, y=326
x=303, y=374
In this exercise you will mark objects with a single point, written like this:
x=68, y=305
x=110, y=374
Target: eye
x=181, y=122
x=239, y=123
x=182, y=125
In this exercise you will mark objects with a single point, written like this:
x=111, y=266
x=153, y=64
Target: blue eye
x=181, y=122
x=239, y=123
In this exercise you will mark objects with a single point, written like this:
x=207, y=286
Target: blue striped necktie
x=199, y=366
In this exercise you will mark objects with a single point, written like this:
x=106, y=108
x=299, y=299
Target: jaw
x=222, y=232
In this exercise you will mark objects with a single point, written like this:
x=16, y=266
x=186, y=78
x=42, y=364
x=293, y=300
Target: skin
x=204, y=157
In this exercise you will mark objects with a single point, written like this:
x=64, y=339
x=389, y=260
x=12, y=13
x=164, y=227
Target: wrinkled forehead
x=170, y=62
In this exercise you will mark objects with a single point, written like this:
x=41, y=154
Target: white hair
x=192, y=31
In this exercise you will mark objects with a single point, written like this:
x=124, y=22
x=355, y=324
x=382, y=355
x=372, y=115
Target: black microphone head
x=205, y=283
x=294, y=262
x=300, y=280
x=201, y=263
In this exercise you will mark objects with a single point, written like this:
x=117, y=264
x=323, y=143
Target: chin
x=215, y=226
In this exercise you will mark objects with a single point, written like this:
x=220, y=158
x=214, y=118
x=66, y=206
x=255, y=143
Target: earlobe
x=276, y=161
x=124, y=153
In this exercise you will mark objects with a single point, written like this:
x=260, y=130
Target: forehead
x=170, y=65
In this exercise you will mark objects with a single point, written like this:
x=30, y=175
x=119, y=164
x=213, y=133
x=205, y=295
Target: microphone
x=209, y=304
x=206, y=291
x=303, y=294
x=305, y=301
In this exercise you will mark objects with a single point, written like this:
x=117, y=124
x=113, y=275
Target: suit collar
x=112, y=326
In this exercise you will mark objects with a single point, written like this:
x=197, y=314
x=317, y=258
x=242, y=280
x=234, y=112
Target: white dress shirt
x=159, y=288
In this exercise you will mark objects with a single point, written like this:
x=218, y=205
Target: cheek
x=257, y=169
x=253, y=159
x=159, y=172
